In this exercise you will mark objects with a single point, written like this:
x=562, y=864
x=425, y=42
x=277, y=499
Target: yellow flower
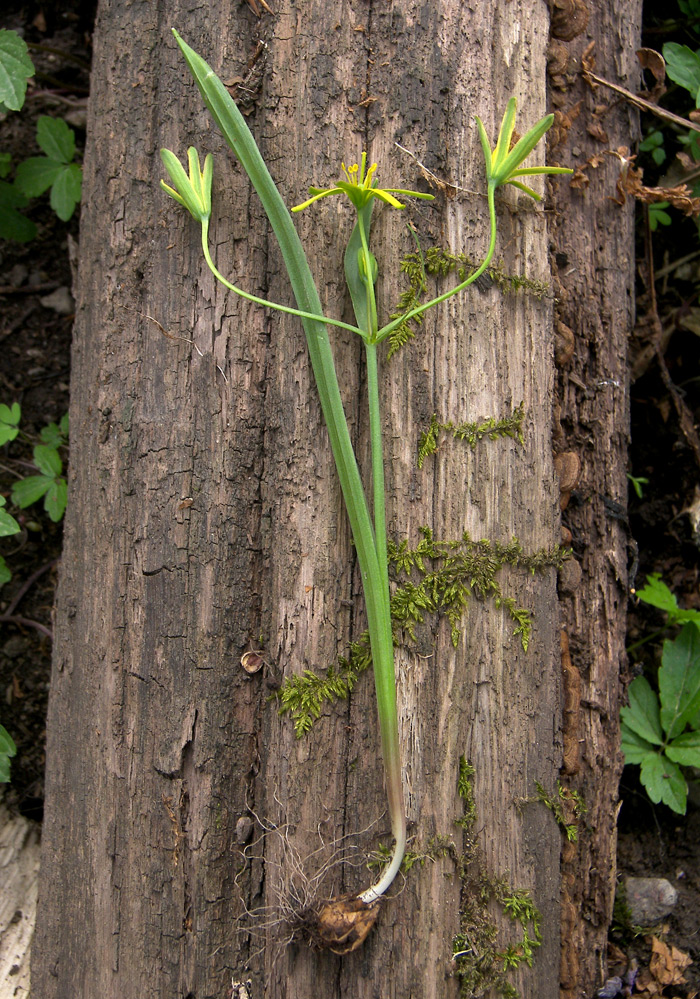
x=360, y=188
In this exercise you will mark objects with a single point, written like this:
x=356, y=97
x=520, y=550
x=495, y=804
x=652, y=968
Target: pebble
x=649, y=900
x=60, y=300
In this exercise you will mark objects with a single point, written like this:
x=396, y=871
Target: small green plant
x=7, y=751
x=482, y=964
x=49, y=484
x=660, y=731
x=567, y=806
x=55, y=171
x=192, y=190
x=638, y=481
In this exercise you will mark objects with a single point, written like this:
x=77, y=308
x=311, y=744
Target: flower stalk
x=192, y=190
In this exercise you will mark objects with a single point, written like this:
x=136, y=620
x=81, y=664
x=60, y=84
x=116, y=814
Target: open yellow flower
x=360, y=187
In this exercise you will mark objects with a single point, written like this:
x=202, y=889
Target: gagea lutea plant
x=344, y=923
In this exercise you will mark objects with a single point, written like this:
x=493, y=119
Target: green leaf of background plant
x=685, y=749
x=657, y=594
x=15, y=69
x=48, y=460
x=5, y=164
x=633, y=746
x=66, y=190
x=5, y=574
x=51, y=434
x=56, y=139
x=13, y=225
x=642, y=715
x=683, y=66
x=679, y=680
x=664, y=782
x=8, y=524
x=29, y=490
x=56, y=499
x=36, y=175
x=9, y=418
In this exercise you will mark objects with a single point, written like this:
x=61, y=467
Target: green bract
x=193, y=192
x=360, y=187
x=502, y=164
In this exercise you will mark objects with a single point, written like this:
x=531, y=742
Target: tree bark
x=593, y=263
x=205, y=519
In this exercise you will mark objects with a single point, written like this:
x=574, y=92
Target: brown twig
x=641, y=103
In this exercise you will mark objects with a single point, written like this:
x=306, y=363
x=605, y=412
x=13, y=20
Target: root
x=307, y=906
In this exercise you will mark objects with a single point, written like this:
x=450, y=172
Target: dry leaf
x=653, y=61
x=667, y=963
x=596, y=131
x=630, y=182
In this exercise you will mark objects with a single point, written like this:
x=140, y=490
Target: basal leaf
x=679, y=680
x=56, y=139
x=664, y=782
x=36, y=175
x=685, y=749
x=642, y=715
x=633, y=746
x=15, y=69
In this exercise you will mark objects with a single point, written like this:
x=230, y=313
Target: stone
x=649, y=900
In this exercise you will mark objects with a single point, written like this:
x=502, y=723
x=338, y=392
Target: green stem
x=262, y=301
x=385, y=331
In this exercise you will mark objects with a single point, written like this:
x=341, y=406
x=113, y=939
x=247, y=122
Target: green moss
x=435, y=578
x=471, y=433
x=482, y=963
x=436, y=848
x=439, y=262
x=567, y=806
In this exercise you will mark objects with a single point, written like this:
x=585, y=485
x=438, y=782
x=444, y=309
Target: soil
x=35, y=340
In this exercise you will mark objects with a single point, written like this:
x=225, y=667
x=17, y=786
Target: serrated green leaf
x=642, y=715
x=664, y=782
x=36, y=175
x=7, y=743
x=5, y=574
x=658, y=594
x=9, y=419
x=64, y=425
x=48, y=460
x=685, y=749
x=15, y=69
x=679, y=680
x=8, y=524
x=66, y=191
x=682, y=66
x=29, y=490
x=633, y=746
x=56, y=139
x=52, y=435
x=56, y=499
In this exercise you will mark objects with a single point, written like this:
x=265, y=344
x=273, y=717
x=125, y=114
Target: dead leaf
x=597, y=132
x=653, y=61
x=630, y=181
x=667, y=963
